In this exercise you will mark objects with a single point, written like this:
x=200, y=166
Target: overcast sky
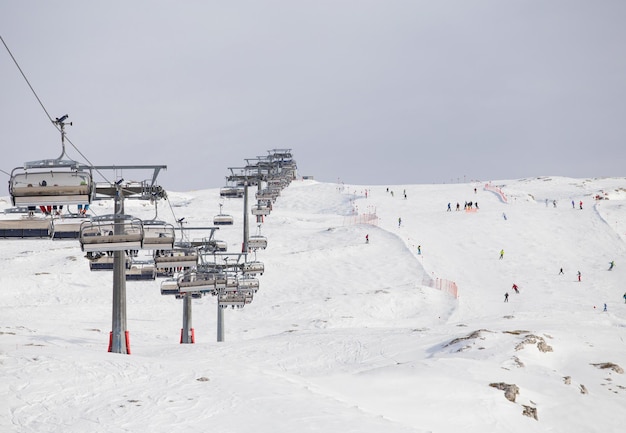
x=370, y=92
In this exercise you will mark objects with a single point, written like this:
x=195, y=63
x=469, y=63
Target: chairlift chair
x=141, y=271
x=178, y=257
x=111, y=233
x=158, y=235
x=103, y=262
x=253, y=268
x=260, y=210
x=231, y=192
x=169, y=287
x=233, y=300
x=232, y=284
x=223, y=219
x=27, y=227
x=257, y=242
x=248, y=282
x=196, y=281
x=67, y=227
x=51, y=182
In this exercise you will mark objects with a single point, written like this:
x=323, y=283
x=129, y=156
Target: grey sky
x=370, y=92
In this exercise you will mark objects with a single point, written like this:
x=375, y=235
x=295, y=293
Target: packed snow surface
x=342, y=336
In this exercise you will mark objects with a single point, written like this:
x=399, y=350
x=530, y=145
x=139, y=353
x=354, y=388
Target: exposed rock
x=616, y=368
x=203, y=379
x=534, y=339
x=567, y=380
x=583, y=389
x=516, y=332
x=544, y=347
x=530, y=411
x=510, y=390
x=473, y=335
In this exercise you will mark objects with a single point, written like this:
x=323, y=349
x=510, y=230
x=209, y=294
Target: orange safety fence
x=442, y=284
x=366, y=218
x=496, y=190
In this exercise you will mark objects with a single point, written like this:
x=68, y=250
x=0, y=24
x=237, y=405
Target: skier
x=624, y=297
x=573, y=205
x=501, y=254
x=579, y=275
x=561, y=272
x=449, y=209
x=419, y=249
x=581, y=205
x=367, y=239
x=604, y=307
x=611, y=264
x=506, y=297
x=399, y=222
x=515, y=288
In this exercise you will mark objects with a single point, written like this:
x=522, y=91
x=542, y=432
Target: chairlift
x=223, y=219
x=231, y=192
x=170, y=287
x=253, y=268
x=248, y=283
x=66, y=227
x=196, y=281
x=141, y=271
x=51, y=182
x=231, y=284
x=158, y=235
x=267, y=194
x=260, y=210
x=111, y=233
x=101, y=261
x=256, y=242
x=30, y=227
x=225, y=300
x=176, y=258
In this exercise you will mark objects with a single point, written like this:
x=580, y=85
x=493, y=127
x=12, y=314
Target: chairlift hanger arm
x=156, y=168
